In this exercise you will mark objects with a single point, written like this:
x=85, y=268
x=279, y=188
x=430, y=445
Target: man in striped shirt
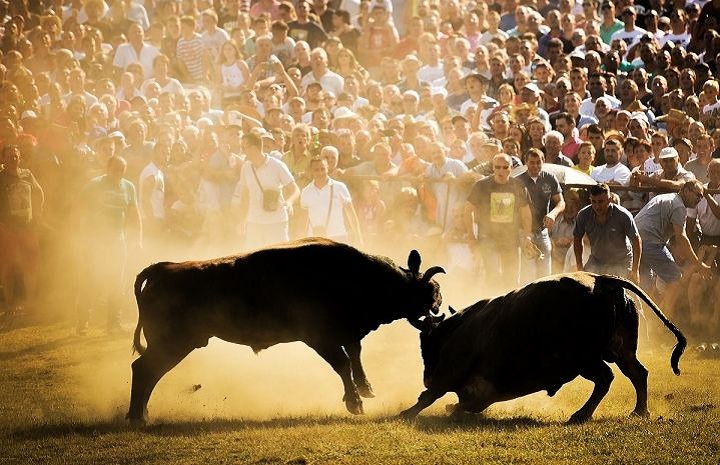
x=190, y=52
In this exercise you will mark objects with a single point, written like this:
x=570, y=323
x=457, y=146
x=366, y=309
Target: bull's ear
x=414, y=261
x=452, y=310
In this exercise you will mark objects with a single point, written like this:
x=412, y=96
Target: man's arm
x=578, y=249
x=469, y=221
x=291, y=192
x=714, y=207
x=353, y=223
x=682, y=245
x=550, y=218
x=636, y=244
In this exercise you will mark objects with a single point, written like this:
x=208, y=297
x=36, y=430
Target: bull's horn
x=414, y=261
x=452, y=310
x=432, y=271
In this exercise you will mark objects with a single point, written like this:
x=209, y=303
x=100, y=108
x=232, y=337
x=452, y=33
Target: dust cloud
x=229, y=381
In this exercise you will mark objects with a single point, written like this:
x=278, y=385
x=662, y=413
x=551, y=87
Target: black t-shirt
x=310, y=33
x=540, y=192
x=497, y=209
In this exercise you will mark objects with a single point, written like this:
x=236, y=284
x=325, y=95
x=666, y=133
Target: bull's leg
x=339, y=361
x=631, y=367
x=602, y=376
x=146, y=372
x=425, y=400
x=358, y=373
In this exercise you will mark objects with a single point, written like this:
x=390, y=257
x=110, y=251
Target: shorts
x=658, y=259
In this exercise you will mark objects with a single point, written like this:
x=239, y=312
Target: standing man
x=544, y=190
x=109, y=210
x=21, y=203
x=663, y=217
x=615, y=245
x=498, y=207
x=329, y=205
x=265, y=193
x=707, y=216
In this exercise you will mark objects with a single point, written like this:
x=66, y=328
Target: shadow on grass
x=429, y=424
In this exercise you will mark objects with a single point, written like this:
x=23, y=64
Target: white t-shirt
x=629, y=37
x=317, y=201
x=618, y=173
x=126, y=55
x=273, y=175
x=329, y=81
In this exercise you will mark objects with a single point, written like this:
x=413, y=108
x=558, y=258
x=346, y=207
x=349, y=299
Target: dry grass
x=64, y=398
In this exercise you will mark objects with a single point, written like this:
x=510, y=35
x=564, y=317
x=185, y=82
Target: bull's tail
x=681, y=341
x=144, y=275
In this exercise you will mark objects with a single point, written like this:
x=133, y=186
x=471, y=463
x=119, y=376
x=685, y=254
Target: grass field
x=63, y=400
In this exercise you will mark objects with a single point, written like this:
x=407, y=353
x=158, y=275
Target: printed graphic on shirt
x=502, y=207
x=20, y=201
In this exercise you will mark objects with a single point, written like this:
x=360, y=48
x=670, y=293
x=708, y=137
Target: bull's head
x=426, y=295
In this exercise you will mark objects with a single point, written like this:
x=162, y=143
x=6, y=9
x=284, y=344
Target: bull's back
x=539, y=335
x=275, y=295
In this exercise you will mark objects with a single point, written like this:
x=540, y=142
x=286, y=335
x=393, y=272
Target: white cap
x=344, y=112
x=668, y=152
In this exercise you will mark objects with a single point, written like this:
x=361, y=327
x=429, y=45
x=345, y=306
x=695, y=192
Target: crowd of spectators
x=139, y=130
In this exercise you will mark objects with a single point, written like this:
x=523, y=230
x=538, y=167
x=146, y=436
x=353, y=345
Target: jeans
x=656, y=260
x=538, y=267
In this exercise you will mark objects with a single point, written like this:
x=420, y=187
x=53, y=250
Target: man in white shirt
x=136, y=51
x=432, y=70
x=330, y=82
x=265, y=194
x=329, y=205
x=630, y=33
x=612, y=172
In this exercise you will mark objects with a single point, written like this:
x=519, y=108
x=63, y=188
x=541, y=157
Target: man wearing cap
x=530, y=94
x=630, y=32
x=612, y=172
x=498, y=209
x=265, y=195
x=615, y=244
x=662, y=218
x=671, y=176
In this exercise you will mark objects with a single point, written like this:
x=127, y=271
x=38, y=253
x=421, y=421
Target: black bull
x=536, y=339
x=325, y=294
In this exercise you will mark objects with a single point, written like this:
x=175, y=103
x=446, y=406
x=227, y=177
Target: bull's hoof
x=354, y=405
x=578, y=418
x=640, y=414
x=407, y=415
x=137, y=421
x=365, y=390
